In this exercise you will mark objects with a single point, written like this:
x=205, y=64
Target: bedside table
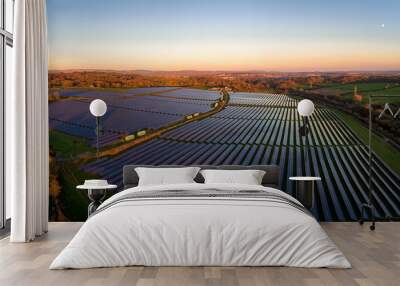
x=96, y=193
x=305, y=190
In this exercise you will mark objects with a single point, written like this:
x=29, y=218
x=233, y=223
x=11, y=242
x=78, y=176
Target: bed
x=197, y=224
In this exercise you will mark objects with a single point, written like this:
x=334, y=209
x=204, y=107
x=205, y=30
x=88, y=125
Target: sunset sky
x=284, y=35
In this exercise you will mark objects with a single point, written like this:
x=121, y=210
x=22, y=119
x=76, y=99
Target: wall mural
x=219, y=83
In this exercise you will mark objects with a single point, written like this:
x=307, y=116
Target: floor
x=375, y=257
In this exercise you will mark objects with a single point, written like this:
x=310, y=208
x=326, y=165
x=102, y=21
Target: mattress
x=201, y=225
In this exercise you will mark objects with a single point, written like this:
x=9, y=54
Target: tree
x=314, y=80
x=287, y=85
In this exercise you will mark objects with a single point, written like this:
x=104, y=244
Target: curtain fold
x=27, y=119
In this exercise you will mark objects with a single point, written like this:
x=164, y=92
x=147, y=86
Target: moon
x=382, y=25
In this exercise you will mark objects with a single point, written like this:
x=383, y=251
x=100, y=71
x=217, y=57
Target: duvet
x=203, y=225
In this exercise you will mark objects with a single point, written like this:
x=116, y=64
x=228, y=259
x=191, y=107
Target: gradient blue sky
x=296, y=35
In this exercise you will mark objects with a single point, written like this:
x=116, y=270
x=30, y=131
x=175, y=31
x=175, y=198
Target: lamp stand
x=307, y=143
x=97, y=136
x=370, y=203
x=304, y=131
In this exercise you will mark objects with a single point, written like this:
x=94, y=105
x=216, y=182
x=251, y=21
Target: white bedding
x=200, y=231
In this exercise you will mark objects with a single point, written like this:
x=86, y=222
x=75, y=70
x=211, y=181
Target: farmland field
x=374, y=88
x=386, y=151
x=254, y=128
x=362, y=87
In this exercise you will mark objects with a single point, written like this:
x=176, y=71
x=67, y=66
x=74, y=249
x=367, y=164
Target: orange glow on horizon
x=277, y=56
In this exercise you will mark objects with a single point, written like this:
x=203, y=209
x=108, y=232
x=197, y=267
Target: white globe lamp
x=98, y=107
x=305, y=107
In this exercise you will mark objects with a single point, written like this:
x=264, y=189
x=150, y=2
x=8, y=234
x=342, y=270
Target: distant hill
x=245, y=73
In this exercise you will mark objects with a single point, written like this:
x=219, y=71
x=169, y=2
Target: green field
x=386, y=151
x=67, y=148
x=362, y=87
x=388, y=91
x=365, y=89
x=74, y=202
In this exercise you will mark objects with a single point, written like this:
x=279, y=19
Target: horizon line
x=227, y=70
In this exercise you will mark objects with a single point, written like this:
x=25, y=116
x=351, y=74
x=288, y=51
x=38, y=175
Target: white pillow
x=248, y=177
x=166, y=176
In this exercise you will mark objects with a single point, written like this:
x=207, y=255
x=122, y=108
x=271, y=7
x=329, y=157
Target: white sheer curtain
x=27, y=124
